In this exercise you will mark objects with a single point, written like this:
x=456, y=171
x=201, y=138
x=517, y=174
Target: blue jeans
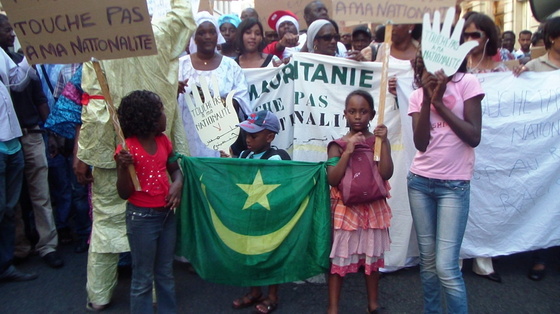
x=152, y=235
x=70, y=197
x=440, y=211
x=11, y=178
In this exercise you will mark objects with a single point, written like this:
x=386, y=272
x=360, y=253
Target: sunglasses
x=329, y=37
x=473, y=35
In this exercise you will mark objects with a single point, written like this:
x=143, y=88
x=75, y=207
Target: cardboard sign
x=382, y=11
x=214, y=120
x=66, y=31
x=441, y=49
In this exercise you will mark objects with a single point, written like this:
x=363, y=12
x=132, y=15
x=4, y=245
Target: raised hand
x=441, y=51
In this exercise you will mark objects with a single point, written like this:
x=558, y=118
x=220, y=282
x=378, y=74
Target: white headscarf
x=199, y=18
x=288, y=18
x=312, y=32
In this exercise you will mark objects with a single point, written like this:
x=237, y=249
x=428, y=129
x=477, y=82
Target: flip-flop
x=267, y=306
x=246, y=301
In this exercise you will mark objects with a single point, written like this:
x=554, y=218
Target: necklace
x=207, y=60
x=476, y=67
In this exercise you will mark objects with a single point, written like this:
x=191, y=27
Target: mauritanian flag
x=254, y=222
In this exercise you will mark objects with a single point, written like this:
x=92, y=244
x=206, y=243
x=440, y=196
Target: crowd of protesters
x=58, y=174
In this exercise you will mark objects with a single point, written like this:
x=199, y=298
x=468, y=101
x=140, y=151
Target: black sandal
x=268, y=305
x=246, y=301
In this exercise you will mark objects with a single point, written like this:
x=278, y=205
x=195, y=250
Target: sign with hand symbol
x=214, y=119
x=439, y=49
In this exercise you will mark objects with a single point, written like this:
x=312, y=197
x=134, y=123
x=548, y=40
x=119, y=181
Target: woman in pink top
x=446, y=121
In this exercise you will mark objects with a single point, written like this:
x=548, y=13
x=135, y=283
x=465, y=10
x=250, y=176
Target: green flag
x=251, y=222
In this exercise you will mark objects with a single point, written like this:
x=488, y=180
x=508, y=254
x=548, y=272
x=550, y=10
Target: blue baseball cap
x=261, y=120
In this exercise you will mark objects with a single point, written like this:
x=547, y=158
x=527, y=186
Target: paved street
x=63, y=291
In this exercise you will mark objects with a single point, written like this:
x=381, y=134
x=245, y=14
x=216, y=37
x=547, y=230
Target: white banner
x=516, y=182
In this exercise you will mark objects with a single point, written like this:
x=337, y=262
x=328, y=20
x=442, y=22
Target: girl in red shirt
x=150, y=213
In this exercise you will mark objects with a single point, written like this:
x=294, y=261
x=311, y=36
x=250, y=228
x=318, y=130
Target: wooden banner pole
x=113, y=115
x=383, y=87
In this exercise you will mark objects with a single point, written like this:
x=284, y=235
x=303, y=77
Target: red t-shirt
x=271, y=50
x=151, y=171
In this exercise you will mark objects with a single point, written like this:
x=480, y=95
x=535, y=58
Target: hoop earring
x=315, y=47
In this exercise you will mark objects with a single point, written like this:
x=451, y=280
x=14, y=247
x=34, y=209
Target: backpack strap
x=370, y=141
x=273, y=151
x=267, y=61
x=244, y=153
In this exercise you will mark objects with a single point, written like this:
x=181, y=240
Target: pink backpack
x=362, y=182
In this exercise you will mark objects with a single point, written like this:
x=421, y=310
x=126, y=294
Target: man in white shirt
x=11, y=162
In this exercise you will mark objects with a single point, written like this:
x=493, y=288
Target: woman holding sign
x=446, y=120
x=205, y=61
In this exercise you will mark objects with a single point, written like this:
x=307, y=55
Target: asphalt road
x=63, y=291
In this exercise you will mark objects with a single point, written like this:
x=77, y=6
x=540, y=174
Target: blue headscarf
x=233, y=19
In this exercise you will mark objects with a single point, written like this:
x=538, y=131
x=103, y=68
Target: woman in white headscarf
x=322, y=38
x=205, y=61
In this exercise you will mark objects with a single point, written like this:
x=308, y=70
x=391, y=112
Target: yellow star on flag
x=257, y=192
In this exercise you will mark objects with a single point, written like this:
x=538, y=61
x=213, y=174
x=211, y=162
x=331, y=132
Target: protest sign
x=214, y=119
x=62, y=31
x=441, y=49
x=382, y=11
x=308, y=97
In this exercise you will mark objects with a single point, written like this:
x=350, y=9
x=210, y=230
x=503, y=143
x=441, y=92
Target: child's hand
x=381, y=132
x=356, y=138
x=174, y=198
x=124, y=159
x=224, y=154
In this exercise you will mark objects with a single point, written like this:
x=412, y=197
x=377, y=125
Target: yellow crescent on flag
x=253, y=245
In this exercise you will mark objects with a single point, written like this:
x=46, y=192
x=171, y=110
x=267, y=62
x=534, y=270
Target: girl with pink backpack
x=361, y=215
